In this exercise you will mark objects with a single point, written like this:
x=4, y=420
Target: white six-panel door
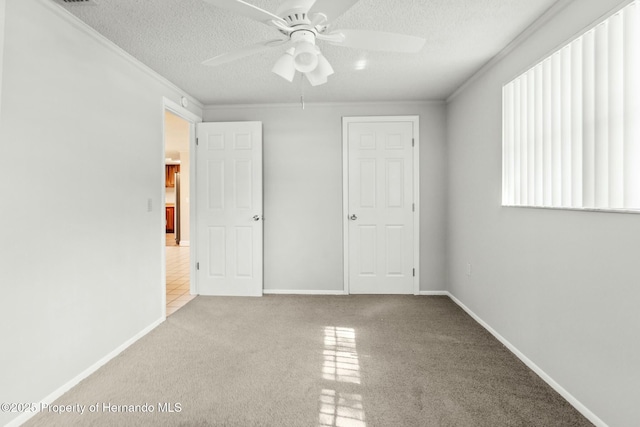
x=380, y=206
x=229, y=209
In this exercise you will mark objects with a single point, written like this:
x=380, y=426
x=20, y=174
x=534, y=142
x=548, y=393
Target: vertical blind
x=571, y=124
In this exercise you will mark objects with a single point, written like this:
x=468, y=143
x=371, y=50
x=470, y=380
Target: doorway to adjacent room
x=178, y=133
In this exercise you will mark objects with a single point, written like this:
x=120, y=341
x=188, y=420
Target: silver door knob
x=353, y=217
x=256, y=218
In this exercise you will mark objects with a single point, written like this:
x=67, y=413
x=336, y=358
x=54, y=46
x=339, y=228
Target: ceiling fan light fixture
x=322, y=71
x=316, y=79
x=300, y=23
x=285, y=66
x=324, y=66
x=305, y=57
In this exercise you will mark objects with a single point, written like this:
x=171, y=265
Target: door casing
x=415, y=120
x=173, y=107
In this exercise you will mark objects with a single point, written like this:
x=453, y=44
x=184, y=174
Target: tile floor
x=177, y=276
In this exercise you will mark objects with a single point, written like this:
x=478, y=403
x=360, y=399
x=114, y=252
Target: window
x=571, y=124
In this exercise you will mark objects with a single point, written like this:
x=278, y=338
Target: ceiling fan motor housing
x=301, y=36
x=301, y=23
x=295, y=12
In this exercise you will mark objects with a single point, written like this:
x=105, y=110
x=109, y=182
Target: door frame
x=192, y=119
x=415, y=120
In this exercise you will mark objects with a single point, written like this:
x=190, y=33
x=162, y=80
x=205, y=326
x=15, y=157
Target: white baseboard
x=184, y=243
x=535, y=368
x=84, y=374
x=300, y=292
x=324, y=292
x=557, y=387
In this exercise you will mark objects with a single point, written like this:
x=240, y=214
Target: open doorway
x=176, y=183
x=179, y=131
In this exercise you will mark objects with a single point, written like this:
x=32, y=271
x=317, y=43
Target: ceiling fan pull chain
x=302, y=90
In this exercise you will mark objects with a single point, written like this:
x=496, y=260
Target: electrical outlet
x=149, y=205
x=469, y=269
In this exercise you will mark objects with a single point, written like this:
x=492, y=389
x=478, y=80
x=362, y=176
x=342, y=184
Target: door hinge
x=413, y=207
x=197, y=266
x=413, y=142
x=414, y=272
x=197, y=141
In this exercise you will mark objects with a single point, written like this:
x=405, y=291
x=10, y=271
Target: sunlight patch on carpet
x=340, y=356
x=340, y=364
x=339, y=409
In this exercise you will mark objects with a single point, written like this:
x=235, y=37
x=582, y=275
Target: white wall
x=561, y=286
x=303, y=190
x=170, y=195
x=2, y=21
x=80, y=263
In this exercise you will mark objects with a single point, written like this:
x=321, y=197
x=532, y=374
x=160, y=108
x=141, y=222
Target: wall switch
x=149, y=205
x=469, y=269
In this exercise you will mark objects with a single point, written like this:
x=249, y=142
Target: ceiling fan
x=300, y=24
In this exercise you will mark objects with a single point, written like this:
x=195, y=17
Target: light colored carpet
x=337, y=361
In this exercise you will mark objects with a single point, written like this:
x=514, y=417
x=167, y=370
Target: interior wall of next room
x=177, y=135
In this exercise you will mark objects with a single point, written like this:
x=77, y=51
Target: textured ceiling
x=173, y=37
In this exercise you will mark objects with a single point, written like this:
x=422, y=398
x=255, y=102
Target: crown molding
x=215, y=107
x=83, y=27
x=577, y=34
x=521, y=38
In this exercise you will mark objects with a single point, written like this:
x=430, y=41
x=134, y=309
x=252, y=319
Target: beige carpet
x=359, y=361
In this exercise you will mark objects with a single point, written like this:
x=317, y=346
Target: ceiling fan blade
x=331, y=8
x=245, y=9
x=243, y=52
x=377, y=40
